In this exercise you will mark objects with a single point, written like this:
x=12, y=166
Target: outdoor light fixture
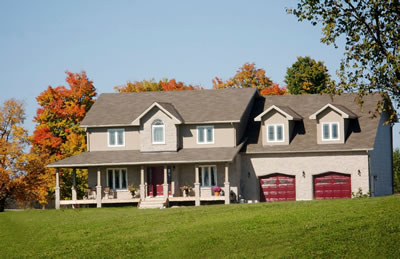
x=248, y=174
x=359, y=172
x=304, y=174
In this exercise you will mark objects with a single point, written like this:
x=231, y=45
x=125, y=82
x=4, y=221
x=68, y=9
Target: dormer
x=332, y=123
x=158, y=126
x=277, y=124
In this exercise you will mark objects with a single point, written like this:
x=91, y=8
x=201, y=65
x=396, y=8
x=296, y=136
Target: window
x=330, y=131
x=208, y=176
x=117, y=179
x=116, y=137
x=275, y=133
x=205, y=134
x=158, y=132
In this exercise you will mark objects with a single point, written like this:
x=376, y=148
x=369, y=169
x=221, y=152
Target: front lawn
x=365, y=228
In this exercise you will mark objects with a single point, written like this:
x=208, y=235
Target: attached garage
x=278, y=187
x=332, y=186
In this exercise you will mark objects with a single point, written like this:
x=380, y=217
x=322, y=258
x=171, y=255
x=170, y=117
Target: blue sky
x=119, y=41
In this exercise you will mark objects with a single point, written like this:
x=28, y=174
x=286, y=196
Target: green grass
x=363, y=228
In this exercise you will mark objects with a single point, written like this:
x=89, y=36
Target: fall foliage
x=152, y=85
x=57, y=134
x=249, y=76
x=13, y=140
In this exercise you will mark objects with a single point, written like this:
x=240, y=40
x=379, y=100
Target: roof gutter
x=307, y=151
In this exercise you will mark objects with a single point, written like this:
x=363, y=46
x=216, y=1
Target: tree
x=152, y=85
x=371, y=32
x=57, y=134
x=307, y=76
x=13, y=141
x=396, y=170
x=249, y=76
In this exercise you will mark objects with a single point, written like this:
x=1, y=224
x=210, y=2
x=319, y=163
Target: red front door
x=155, y=179
x=332, y=186
x=278, y=187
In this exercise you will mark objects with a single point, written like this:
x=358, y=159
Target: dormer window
x=275, y=133
x=205, y=134
x=158, y=132
x=330, y=131
x=116, y=137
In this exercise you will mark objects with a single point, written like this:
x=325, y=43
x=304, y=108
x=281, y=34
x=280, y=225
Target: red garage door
x=278, y=187
x=332, y=186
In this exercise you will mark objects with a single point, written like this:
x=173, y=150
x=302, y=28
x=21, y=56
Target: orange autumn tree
x=249, y=76
x=57, y=134
x=152, y=85
x=13, y=141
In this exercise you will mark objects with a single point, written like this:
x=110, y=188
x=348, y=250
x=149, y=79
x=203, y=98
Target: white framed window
x=117, y=178
x=116, y=137
x=158, y=132
x=330, y=131
x=275, y=133
x=205, y=134
x=208, y=175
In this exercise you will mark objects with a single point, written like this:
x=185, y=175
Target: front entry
x=155, y=180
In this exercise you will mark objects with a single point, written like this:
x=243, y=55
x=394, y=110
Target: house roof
x=362, y=129
x=198, y=106
x=285, y=110
x=168, y=108
x=341, y=109
x=135, y=157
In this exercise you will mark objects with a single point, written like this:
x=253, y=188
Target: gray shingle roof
x=135, y=157
x=362, y=129
x=193, y=106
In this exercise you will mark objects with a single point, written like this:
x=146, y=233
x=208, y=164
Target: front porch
x=165, y=181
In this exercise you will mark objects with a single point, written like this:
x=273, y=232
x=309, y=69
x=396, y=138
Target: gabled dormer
x=158, y=126
x=277, y=124
x=332, y=123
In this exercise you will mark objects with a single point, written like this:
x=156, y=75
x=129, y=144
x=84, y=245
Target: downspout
x=234, y=135
x=87, y=140
x=391, y=155
x=371, y=179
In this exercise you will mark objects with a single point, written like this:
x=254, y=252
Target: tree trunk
x=2, y=204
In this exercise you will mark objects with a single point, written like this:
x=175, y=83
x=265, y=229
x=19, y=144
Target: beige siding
x=224, y=136
x=274, y=117
x=329, y=115
x=254, y=166
x=381, y=160
x=98, y=139
x=133, y=179
x=171, y=139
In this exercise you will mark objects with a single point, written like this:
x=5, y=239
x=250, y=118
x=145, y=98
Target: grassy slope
x=340, y=228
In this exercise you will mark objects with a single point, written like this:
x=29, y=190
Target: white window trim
x=152, y=133
x=275, y=131
x=209, y=175
x=330, y=131
x=116, y=137
x=120, y=178
x=204, y=128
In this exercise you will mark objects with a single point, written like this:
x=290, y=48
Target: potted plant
x=185, y=190
x=133, y=190
x=216, y=190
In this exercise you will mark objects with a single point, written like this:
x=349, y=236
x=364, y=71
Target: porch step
x=152, y=203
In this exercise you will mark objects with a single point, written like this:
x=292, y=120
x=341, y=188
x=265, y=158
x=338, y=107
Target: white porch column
x=196, y=186
x=227, y=185
x=57, y=189
x=74, y=196
x=165, y=185
x=98, y=188
x=142, y=187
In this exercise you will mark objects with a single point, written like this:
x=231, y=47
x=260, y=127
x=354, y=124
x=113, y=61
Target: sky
x=120, y=41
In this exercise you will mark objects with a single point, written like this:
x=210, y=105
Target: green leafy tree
x=307, y=76
x=396, y=170
x=371, y=33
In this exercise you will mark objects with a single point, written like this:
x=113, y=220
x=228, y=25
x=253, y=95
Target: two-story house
x=255, y=148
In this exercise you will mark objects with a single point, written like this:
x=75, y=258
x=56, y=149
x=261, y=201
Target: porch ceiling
x=135, y=157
